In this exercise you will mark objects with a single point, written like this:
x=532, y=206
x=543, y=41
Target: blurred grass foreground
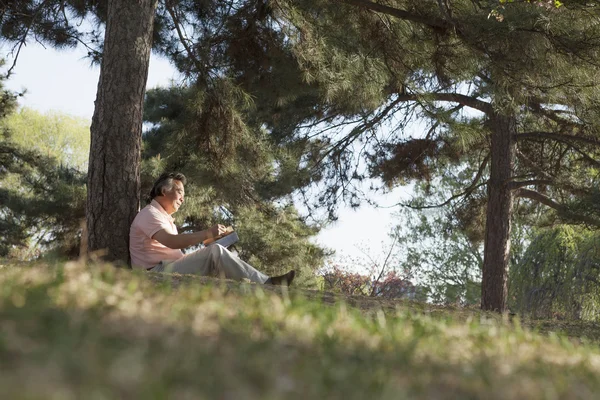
x=77, y=331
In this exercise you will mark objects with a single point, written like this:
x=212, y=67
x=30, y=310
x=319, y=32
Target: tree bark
x=494, y=289
x=116, y=131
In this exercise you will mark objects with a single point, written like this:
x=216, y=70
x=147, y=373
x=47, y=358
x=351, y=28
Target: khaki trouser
x=214, y=260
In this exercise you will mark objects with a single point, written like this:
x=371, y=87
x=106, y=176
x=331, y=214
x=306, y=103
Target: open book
x=227, y=239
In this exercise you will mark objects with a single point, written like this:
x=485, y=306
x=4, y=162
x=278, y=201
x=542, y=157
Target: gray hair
x=166, y=182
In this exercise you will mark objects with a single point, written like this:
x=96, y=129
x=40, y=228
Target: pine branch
x=347, y=140
x=586, y=156
x=562, y=209
x=561, y=137
x=520, y=184
x=452, y=98
x=536, y=106
x=548, y=179
x=445, y=10
x=184, y=40
x=23, y=40
x=533, y=165
x=470, y=189
x=432, y=22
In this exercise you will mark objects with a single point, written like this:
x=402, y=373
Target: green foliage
x=442, y=235
x=383, y=74
x=235, y=174
x=42, y=203
x=57, y=23
x=558, y=275
x=81, y=330
x=276, y=240
x=379, y=280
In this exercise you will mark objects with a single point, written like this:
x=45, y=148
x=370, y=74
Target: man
x=154, y=243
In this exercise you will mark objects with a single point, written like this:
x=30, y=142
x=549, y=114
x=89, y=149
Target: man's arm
x=184, y=240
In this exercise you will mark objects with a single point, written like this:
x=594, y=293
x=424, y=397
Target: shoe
x=282, y=280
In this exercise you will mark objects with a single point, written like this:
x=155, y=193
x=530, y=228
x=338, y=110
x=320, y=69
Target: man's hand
x=190, y=239
x=217, y=230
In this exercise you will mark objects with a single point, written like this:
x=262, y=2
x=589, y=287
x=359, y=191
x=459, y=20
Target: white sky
x=65, y=81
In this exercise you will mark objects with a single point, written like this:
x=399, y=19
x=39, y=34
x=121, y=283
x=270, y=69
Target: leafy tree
x=443, y=246
x=42, y=185
x=53, y=134
x=444, y=250
x=42, y=203
x=558, y=275
x=337, y=278
x=390, y=286
x=528, y=79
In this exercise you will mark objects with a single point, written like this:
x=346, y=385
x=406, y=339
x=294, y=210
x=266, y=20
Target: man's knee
x=217, y=248
x=217, y=251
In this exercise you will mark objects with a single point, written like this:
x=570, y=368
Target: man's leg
x=216, y=260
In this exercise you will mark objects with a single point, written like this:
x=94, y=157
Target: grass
x=94, y=332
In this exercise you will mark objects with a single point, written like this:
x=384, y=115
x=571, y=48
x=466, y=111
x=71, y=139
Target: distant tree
x=443, y=246
x=42, y=203
x=42, y=183
x=337, y=278
x=391, y=286
x=53, y=134
x=441, y=255
x=372, y=276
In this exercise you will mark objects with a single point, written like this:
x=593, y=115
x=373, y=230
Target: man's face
x=174, y=198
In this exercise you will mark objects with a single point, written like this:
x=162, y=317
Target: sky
x=66, y=81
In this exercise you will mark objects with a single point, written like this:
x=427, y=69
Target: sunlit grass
x=96, y=332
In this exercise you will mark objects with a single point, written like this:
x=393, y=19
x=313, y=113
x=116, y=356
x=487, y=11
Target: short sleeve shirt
x=147, y=252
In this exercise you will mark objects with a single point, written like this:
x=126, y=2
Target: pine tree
x=211, y=130
x=116, y=131
x=527, y=72
x=113, y=176
x=116, y=141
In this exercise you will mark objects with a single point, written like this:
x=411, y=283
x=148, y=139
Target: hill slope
x=95, y=332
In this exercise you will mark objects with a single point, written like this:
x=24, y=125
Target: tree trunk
x=116, y=131
x=494, y=289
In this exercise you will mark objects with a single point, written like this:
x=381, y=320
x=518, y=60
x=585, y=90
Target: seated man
x=154, y=243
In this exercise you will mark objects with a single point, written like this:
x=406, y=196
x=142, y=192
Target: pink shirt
x=146, y=252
